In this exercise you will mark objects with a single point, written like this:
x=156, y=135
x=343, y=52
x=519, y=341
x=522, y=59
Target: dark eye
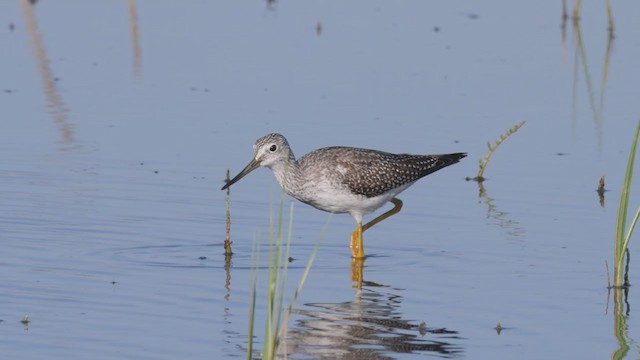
x=273, y=148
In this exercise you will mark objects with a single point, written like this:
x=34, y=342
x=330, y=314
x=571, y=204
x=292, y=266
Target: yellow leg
x=396, y=209
x=357, y=245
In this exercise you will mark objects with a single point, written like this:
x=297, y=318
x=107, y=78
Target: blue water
x=120, y=120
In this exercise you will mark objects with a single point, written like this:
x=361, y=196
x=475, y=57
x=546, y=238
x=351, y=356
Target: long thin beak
x=254, y=164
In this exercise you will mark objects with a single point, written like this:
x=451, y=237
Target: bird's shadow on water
x=371, y=326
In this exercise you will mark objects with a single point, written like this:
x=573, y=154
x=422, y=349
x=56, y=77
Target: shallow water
x=118, y=129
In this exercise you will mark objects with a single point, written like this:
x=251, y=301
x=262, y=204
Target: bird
x=340, y=179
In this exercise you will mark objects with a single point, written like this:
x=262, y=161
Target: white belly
x=344, y=201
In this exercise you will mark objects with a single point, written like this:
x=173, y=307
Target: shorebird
x=342, y=179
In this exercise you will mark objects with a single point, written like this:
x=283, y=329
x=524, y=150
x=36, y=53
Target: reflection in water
x=512, y=227
x=227, y=281
x=271, y=4
x=369, y=327
x=25, y=322
x=55, y=104
x=231, y=336
x=135, y=38
x=563, y=31
x=620, y=327
x=357, y=271
x=621, y=312
x=601, y=190
x=580, y=60
x=498, y=329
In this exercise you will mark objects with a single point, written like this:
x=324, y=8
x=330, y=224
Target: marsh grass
x=492, y=148
x=622, y=259
x=255, y=261
x=277, y=262
x=623, y=234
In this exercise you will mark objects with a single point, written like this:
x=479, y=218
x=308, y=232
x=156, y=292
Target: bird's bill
x=254, y=164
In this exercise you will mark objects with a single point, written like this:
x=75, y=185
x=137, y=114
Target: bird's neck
x=287, y=173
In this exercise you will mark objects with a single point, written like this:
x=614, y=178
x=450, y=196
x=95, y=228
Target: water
x=120, y=121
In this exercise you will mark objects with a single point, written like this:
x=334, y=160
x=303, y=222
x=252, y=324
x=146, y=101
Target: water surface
x=118, y=129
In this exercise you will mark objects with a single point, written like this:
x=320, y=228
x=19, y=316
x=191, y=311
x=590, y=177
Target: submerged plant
x=492, y=148
x=623, y=234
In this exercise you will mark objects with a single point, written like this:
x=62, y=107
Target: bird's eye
x=273, y=148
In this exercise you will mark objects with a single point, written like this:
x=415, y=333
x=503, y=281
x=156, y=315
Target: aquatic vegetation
x=227, y=241
x=492, y=148
x=278, y=260
x=623, y=234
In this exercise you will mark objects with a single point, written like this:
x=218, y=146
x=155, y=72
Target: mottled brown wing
x=374, y=173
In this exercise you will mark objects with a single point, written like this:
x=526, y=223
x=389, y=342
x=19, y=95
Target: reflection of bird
x=371, y=327
x=344, y=179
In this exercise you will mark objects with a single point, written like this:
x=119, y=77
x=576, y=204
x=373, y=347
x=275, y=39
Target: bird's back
x=370, y=172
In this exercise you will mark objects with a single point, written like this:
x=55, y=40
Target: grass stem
x=492, y=148
x=622, y=233
x=277, y=317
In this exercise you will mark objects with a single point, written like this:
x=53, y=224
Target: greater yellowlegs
x=344, y=179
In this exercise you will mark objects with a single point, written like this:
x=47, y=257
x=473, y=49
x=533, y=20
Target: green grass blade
x=277, y=277
x=255, y=265
x=278, y=266
x=631, y=227
x=272, y=278
x=621, y=241
x=282, y=278
x=303, y=278
x=252, y=316
x=274, y=307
